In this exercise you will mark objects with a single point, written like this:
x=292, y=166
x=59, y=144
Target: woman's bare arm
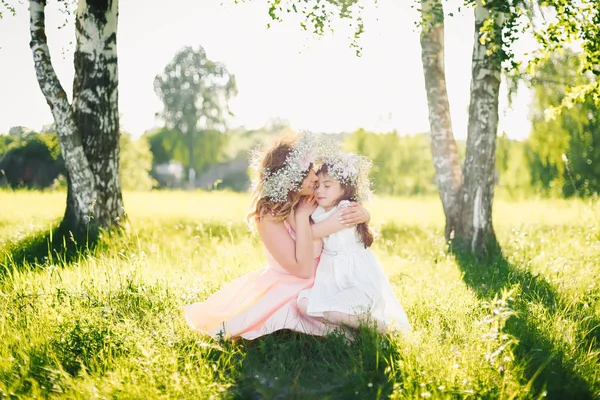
x=285, y=250
x=340, y=219
x=295, y=256
x=355, y=214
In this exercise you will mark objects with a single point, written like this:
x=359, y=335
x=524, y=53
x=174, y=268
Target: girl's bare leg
x=338, y=318
x=341, y=319
x=303, y=306
x=353, y=321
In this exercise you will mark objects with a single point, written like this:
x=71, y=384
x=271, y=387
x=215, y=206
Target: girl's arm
x=328, y=226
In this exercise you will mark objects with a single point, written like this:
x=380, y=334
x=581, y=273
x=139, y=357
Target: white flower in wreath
x=352, y=168
x=308, y=159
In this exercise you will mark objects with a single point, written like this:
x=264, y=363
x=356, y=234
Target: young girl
x=350, y=286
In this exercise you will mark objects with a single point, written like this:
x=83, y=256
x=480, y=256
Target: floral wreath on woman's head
x=347, y=168
x=276, y=185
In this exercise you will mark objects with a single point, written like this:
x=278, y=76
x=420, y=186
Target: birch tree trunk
x=475, y=230
x=82, y=190
x=443, y=145
x=88, y=130
x=467, y=198
x=95, y=104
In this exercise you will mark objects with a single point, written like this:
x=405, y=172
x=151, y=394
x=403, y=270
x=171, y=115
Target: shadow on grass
x=546, y=364
x=56, y=246
x=289, y=365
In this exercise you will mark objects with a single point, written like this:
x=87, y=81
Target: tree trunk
x=95, y=104
x=88, y=131
x=82, y=190
x=443, y=145
x=191, y=154
x=475, y=230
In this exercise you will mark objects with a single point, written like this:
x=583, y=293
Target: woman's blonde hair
x=273, y=160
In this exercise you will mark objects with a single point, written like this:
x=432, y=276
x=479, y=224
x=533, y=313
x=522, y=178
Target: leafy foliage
x=170, y=145
x=565, y=156
x=136, y=163
x=136, y=158
x=195, y=92
x=316, y=16
x=30, y=159
x=5, y=6
x=5, y=143
x=402, y=165
x=512, y=167
x=566, y=22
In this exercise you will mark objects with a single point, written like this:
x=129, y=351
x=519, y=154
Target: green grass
x=106, y=322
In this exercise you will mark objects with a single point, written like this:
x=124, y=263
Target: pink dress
x=256, y=304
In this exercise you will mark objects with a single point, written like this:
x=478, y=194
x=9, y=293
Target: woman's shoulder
x=269, y=219
x=271, y=227
x=272, y=222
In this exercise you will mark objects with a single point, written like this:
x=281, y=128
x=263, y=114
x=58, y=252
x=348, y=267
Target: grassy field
x=106, y=323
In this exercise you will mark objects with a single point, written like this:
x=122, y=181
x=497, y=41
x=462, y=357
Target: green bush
x=136, y=163
x=44, y=149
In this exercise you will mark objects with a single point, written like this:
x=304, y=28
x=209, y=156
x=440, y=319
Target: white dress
x=350, y=280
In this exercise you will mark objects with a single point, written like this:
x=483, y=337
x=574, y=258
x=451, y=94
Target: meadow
x=105, y=322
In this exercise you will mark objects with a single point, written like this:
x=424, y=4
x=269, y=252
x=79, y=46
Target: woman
x=264, y=301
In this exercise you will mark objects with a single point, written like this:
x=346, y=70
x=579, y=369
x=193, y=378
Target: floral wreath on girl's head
x=347, y=168
x=277, y=185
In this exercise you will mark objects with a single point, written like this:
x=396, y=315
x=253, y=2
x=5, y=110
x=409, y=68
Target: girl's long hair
x=273, y=160
x=364, y=232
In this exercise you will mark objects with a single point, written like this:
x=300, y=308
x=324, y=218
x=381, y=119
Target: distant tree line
x=560, y=158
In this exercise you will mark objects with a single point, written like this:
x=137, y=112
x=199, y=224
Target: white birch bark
x=95, y=102
x=443, y=145
x=77, y=165
x=88, y=130
x=475, y=228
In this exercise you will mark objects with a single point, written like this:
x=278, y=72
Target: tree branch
x=46, y=76
x=55, y=95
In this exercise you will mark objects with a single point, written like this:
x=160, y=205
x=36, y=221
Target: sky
x=283, y=72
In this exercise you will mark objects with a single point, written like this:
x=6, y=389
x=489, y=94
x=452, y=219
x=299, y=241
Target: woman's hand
x=306, y=207
x=354, y=214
